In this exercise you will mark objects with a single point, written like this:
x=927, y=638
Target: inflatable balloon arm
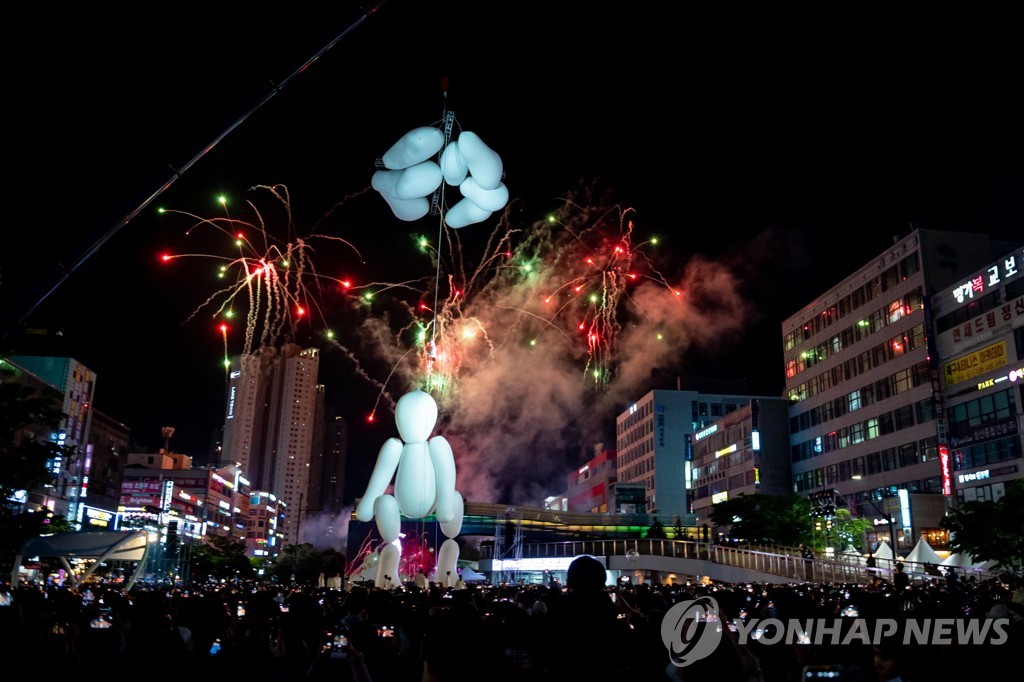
x=380, y=479
x=444, y=474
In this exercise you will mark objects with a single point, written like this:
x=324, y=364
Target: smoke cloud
x=541, y=346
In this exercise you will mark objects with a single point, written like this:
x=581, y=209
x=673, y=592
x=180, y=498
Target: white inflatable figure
x=387, y=567
x=410, y=176
x=424, y=484
x=448, y=555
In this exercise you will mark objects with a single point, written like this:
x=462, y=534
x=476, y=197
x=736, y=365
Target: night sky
x=770, y=160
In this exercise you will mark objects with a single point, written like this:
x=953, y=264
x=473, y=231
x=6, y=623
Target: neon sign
x=705, y=432
x=947, y=473
x=1000, y=272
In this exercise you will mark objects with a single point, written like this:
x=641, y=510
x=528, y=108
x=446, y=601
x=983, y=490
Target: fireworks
x=561, y=287
x=528, y=350
x=272, y=282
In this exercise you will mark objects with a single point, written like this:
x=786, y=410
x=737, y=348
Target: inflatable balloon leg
x=387, y=569
x=448, y=556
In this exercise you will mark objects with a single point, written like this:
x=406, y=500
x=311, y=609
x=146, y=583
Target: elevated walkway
x=688, y=559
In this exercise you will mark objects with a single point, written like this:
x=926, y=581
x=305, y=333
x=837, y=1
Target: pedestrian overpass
x=525, y=540
x=681, y=560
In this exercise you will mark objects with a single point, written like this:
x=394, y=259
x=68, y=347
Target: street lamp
x=889, y=518
x=823, y=506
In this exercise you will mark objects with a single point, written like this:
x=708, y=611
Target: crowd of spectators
x=500, y=633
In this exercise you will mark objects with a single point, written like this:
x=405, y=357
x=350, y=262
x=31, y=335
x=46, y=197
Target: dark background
x=832, y=137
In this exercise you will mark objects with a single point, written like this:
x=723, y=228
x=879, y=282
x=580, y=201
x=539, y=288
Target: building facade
x=184, y=507
x=270, y=422
x=652, y=441
x=979, y=325
x=746, y=452
x=335, y=462
x=75, y=384
x=103, y=472
x=590, y=487
x=864, y=386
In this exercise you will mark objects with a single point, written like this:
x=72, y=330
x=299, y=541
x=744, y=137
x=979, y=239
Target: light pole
x=823, y=506
x=889, y=518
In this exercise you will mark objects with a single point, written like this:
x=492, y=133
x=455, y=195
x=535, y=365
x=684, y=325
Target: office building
x=979, y=325
x=75, y=383
x=589, y=487
x=863, y=382
x=652, y=440
x=746, y=452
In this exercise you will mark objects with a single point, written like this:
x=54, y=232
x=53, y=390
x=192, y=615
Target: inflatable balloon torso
x=424, y=482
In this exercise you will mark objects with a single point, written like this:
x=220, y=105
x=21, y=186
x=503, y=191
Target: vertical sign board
x=947, y=473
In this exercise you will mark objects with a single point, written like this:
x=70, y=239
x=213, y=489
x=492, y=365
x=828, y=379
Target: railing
x=779, y=562
x=783, y=562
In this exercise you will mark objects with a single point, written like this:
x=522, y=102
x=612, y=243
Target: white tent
x=470, y=576
x=923, y=554
x=884, y=551
x=959, y=560
x=852, y=555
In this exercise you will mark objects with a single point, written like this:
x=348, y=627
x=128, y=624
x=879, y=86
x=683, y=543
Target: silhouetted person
x=901, y=581
x=584, y=639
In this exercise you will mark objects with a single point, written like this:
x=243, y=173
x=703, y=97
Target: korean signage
x=99, y=517
x=986, y=474
x=988, y=324
x=998, y=273
x=141, y=493
x=705, y=432
x=983, y=433
x=975, y=364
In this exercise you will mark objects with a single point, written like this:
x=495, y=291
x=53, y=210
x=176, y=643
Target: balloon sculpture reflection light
x=424, y=484
x=410, y=176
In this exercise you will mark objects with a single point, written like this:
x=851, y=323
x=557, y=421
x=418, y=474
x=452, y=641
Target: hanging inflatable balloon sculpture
x=410, y=176
x=424, y=484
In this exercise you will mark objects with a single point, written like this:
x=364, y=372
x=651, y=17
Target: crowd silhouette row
x=420, y=632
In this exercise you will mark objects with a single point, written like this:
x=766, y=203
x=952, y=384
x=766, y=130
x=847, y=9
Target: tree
x=304, y=563
x=656, y=531
x=221, y=558
x=991, y=530
x=677, y=528
x=765, y=519
x=27, y=417
x=849, y=531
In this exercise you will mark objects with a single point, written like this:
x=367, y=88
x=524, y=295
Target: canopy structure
x=923, y=554
x=959, y=560
x=470, y=576
x=98, y=545
x=884, y=551
x=852, y=555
